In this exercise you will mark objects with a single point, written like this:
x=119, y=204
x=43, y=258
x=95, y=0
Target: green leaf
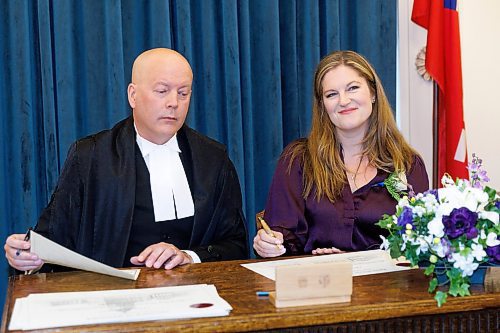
x=464, y=290
x=432, y=285
x=491, y=192
x=391, y=183
x=453, y=289
x=385, y=222
x=394, y=250
x=430, y=269
x=440, y=298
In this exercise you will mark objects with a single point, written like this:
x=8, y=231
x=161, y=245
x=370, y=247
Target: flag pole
x=435, y=136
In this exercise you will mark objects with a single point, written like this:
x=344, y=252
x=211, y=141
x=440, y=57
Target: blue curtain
x=65, y=66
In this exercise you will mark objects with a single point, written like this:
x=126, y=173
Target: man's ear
x=131, y=91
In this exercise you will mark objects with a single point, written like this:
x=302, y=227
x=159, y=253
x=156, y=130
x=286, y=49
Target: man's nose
x=172, y=99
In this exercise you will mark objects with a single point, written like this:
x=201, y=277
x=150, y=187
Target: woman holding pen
x=328, y=190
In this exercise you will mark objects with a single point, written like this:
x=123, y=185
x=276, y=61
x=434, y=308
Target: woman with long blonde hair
x=330, y=188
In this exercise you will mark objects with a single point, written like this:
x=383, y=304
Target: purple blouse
x=347, y=224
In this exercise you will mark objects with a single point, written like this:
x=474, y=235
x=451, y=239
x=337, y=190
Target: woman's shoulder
x=417, y=176
x=417, y=162
x=297, y=147
x=294, y=152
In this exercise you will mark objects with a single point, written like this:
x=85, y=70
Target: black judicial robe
x=91, y=209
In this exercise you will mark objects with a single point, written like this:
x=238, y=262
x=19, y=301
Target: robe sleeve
x=59, y=221
x=228, y=238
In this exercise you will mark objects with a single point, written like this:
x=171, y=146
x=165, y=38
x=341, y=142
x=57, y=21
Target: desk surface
x=381, y=298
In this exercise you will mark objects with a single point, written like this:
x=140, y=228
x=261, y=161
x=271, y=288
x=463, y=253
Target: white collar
x=147, y=146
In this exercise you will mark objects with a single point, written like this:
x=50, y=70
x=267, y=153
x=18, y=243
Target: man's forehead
x=186, y=83
x=161, y=60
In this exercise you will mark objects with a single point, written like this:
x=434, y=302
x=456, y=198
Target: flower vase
x=476, y=278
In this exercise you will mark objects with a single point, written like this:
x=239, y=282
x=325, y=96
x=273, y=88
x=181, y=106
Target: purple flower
x=477, y=174
x=434, y=192
x=405, y=218
x=446, y=247
x=497, y=204
x=494, y=254
x=460, y=221
x=473, y=167
x=483, y=177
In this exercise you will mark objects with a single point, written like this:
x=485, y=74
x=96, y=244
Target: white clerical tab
x=169, y=186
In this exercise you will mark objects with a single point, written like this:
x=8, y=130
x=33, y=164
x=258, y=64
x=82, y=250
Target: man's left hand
x=161, y=254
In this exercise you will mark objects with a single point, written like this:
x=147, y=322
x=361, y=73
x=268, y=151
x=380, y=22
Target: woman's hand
x=268, y=246
x=17, y=252
x=327, y=250
x=162, y=254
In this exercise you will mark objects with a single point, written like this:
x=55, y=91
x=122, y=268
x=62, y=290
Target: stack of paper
x=363, y=263
x=39, y=311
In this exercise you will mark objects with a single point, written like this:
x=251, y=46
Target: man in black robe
x=150, y=191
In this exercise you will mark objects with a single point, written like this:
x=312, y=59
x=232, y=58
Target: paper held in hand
x=53, y=253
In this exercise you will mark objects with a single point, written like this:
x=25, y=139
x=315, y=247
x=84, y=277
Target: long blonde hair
x=320, y=154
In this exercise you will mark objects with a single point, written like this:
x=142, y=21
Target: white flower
x=478, y=252
x=402, y=183
x=492, y=239
x=465, y=264
x=385, y=243
x=453, y=197
x=423, y=244
x=403, y=202
x=404, y=238
x=440, y=249
x=447, y=181
x=430, y=202
x=419, y=211
x=483, y=234
x=492, y=216
x=436, y=227
x=475, y=199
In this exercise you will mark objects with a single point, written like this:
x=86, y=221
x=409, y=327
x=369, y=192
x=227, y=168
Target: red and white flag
x=444, y=65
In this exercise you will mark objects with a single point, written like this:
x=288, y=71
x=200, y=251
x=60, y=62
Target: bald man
x=150, y=191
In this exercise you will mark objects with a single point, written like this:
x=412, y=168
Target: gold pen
x=267, y=229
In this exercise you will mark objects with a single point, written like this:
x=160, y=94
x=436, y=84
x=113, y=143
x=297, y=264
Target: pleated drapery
x=65, y=66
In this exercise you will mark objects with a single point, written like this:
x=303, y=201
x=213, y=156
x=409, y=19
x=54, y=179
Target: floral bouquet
x=452, y=230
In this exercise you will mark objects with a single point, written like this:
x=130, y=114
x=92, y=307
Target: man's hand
x=18, y=254
x=161, y=254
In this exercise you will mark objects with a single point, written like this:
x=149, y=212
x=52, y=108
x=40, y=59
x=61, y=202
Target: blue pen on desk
x=26, y=238
x=262, y=293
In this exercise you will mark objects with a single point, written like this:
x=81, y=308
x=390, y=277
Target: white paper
x=48, y=310
x=51, y=252
x=363, y=263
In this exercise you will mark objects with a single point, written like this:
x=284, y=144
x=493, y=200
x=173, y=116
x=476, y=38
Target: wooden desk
x=395, y=302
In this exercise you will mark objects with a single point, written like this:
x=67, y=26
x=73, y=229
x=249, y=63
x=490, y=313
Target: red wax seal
x=201, y=305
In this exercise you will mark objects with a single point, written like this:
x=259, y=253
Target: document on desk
x=38, y=311
x=363, y=263
x=53, y=253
